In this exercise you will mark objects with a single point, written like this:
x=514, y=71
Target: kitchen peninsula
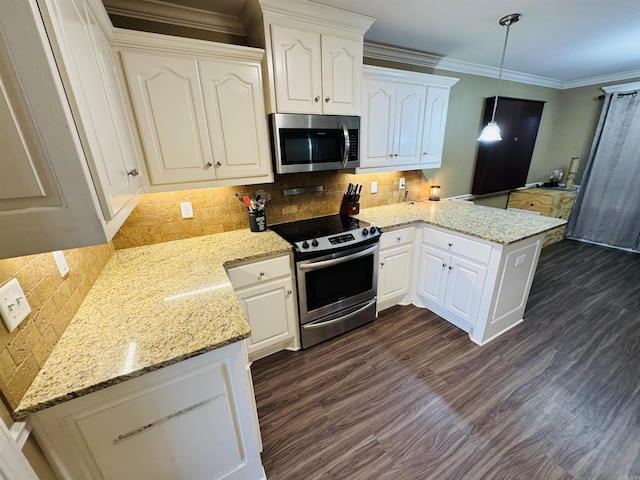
x=172, y=305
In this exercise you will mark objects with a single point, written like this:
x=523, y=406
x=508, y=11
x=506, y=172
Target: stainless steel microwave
x=309, y=143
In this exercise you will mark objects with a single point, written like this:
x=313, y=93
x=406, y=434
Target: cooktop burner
x=322, y=234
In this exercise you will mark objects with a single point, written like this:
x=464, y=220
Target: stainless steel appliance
x=336, y=273
x=308, y=143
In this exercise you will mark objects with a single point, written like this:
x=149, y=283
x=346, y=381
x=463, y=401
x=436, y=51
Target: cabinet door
x=409, y=113
x=394, y=274
x=341, y=75
x=271, y=311
x=47, y=201
x=435, y=119
x=465, y=283
x=378, y=123
x=298, y=70
x=97, y=102
x=168, y=104
x=432, y=277
x=236, y=118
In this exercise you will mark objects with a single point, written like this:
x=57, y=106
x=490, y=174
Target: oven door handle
x=339, y=319
x=335, y=261
x=347, y=145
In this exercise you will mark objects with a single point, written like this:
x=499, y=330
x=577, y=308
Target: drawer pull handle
x=133, y=173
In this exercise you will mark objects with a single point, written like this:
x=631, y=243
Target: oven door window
x=309, y=146
x=338, y=282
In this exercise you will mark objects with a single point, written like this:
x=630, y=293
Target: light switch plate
x=14, y=307
x=61, y=262
x=187, y=209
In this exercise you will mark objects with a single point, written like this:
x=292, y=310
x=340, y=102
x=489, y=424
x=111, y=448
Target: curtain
x=607, y=209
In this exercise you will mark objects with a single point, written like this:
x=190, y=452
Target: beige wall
x=54, y=301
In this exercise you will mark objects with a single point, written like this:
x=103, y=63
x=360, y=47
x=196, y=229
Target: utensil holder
x=350, y=207
x=258, y=221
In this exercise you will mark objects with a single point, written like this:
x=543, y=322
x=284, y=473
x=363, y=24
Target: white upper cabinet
x=88, y=69
x=200, y=110
x=403, y=119
x=58, y=189
x=314, y=55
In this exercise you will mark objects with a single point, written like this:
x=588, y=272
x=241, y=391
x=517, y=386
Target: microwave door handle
x=347, y=145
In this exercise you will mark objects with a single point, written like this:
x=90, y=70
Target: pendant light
x=491, y=133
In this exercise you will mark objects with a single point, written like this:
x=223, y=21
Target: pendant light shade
x=491, y=133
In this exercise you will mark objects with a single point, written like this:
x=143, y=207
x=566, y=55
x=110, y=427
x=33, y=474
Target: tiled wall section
x=157, y=217
x=54, y=301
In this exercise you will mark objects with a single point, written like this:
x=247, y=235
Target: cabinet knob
x=382, y=264
x=398, y=238
x=133, y=173
x=326, y=99
x=209, y=164
x=289, y=292
x=424, y=153
x=262, y=274
x=395, y=154
x=450, y=267
x=444, y=265
x=450, y=244
x=317, y=99
x=218, y=164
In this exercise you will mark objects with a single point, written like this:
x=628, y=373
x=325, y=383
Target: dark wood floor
x=411, y=397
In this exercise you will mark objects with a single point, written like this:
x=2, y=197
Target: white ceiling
x=563, y=43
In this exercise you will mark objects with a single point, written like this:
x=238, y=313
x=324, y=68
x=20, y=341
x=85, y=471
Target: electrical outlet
x=61, y=262
x=401, y=184
x=374, y=187
x=187, y=209
x=14, y=307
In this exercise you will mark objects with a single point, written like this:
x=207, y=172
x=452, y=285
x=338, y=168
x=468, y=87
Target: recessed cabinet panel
x=435, y=119
x=432, y=278
x=297, y=65
x=409, y=117
x=236, y=119
x=168, y=103
x=341, y=73
x=465, y=283
x=378, y=121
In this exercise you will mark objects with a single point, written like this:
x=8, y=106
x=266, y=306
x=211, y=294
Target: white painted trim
x=622, y=87
x=395, y=74
x=423, y=59
x=20, y=432
x=164, y=12
x=13, y=463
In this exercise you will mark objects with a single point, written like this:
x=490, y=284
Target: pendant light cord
x=504, y=51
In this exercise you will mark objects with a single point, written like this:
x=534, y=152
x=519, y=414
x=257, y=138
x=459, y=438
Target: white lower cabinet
x=480, y=286
x=266, y=293
x=192, y=420
x=394, y=269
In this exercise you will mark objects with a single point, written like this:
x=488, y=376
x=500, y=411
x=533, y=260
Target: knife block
x=350, y=208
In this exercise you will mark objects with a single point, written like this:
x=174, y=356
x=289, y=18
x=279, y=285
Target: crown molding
x=163, y=12
x=422, y=59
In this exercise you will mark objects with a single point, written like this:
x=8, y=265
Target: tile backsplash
x=157, y=217
x=54, y=301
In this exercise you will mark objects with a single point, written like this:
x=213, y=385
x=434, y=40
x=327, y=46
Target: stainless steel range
x=336, y=272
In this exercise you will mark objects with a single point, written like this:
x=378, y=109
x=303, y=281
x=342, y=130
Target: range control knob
x=314, y=243
x=365, y=232
x=372, y=230
x=305, y=244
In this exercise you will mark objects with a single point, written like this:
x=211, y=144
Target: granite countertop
x=151, y=306
x=156, y=305
x=492, y=224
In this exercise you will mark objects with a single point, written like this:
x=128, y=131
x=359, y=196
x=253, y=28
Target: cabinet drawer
x=262, y=271
x=452, y=243
x=397, y=237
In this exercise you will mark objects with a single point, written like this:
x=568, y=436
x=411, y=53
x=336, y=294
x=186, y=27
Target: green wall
x=569, y=119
